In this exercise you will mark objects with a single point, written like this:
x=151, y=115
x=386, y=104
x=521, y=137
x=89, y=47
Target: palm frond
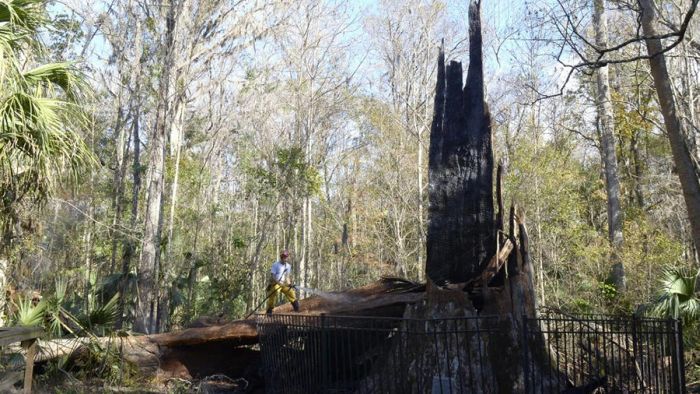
x=27, y=15
x=61, y=285
x=28, y=314
x=40, y=111
x=103, y=316
x=106, y=314
x=34, y=139
x=62, y=75
x=678, y=298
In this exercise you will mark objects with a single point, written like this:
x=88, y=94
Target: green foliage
x=65, y=30
x=102, y=317
x=22, y=16
x=40, y=113
x=678, y=297
x=289, y=174
x=28, y=314
x=608, y=291
x=53, y=314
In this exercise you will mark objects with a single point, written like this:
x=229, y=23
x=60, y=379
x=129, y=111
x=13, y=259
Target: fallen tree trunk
x=225, y=348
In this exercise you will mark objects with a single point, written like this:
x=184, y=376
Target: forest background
x=223, y=132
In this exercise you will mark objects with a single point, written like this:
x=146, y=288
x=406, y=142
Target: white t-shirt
x=280, y=271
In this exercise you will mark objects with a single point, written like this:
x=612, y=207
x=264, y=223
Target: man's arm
x=288, y=276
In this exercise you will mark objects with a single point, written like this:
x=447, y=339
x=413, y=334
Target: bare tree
x=588, y=55
x=686, y=165
x=607, y=142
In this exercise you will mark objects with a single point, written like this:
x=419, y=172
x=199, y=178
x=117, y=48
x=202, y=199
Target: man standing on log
x=280, y=280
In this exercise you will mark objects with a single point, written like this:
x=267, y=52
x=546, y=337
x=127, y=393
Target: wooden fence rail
x=27, y=336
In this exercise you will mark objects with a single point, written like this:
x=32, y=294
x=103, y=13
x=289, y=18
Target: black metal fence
x=485, y=354
x=621, y=355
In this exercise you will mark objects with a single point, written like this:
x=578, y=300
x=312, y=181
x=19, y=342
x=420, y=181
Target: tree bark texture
x=688, y=173
x=607, y=142
x=461, y=234
x=130, y=244
x=472, y=272
x=147, y=297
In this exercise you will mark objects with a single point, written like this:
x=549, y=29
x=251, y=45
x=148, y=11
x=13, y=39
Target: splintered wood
x=497, y=262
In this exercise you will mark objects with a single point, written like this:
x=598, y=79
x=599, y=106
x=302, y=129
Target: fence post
x=678, y=363
x=323, y=348
x=526, y=365
x=637, y=358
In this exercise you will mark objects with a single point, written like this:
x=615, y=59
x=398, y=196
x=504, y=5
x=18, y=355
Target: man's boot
x=269, y=311
x=295, y=305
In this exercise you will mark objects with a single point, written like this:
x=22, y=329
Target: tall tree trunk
x=130, y=244
x=89, y=230
x=87, y=243
x=607, y=139
x=176, y=147
x=167, y=274
x=135, y=111
x=148, y=275
x=421, y=221
x=148, y=264
x=637, y=163
x=688, y=172
x=303, y=269
x=310, y=272
x=118, y=184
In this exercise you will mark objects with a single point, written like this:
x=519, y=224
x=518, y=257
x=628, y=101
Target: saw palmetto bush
x=678, y=297
x=57, y=318
x=28, y=314
x=40, y=113
x=100, y=356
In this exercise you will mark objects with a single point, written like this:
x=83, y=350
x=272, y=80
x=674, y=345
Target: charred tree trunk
x=461, y=236
x=464, y=252
x=473, y=271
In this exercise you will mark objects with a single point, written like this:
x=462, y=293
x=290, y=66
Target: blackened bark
x=461, y=227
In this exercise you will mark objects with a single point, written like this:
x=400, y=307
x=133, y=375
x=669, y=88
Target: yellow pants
x=273, y=291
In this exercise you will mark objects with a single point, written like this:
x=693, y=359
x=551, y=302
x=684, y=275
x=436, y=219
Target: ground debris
x=220, y=384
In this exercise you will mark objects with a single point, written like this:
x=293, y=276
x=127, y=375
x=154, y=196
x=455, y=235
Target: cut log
x=241, y=332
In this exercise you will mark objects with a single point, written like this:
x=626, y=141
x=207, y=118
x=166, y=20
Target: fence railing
x=634, y=355
x=27, y=336
x=343, y=354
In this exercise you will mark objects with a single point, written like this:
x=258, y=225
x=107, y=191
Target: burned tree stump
x=461, y=227
x=472, y=271
x=468, y=263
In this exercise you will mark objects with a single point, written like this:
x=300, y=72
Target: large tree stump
x=461, y=234
x=473, y=268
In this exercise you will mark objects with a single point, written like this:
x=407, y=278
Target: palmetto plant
x=678, y=298
x=40, y=111
x=28, y=314
x=52, y=314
